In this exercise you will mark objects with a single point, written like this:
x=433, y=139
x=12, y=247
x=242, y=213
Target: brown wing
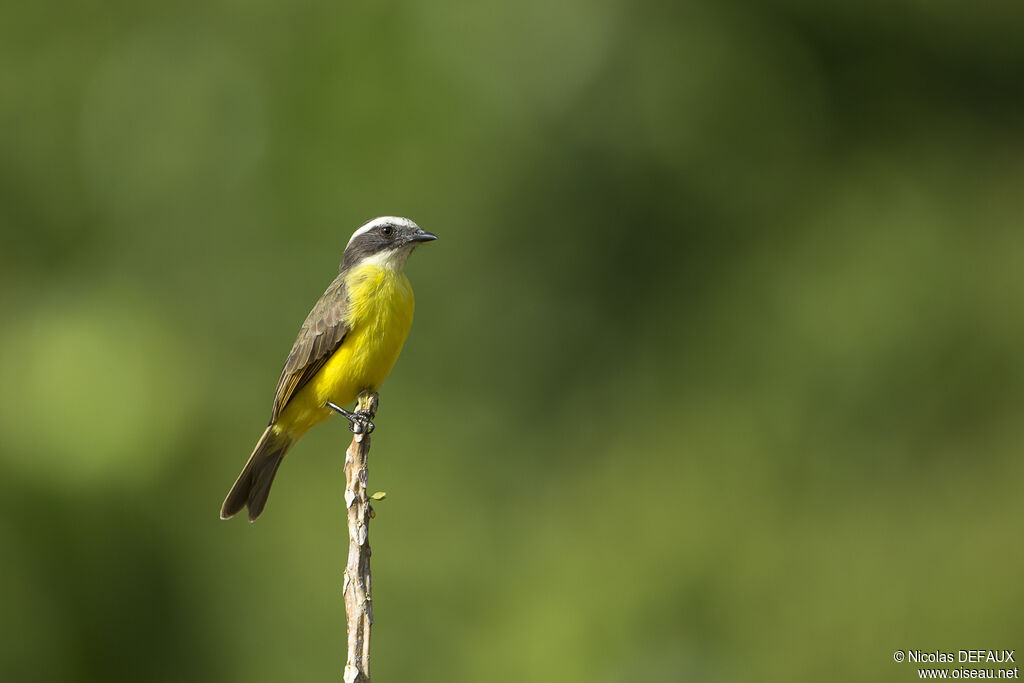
x=320, y=336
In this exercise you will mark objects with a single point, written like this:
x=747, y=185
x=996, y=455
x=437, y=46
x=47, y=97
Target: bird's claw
x=359, y=422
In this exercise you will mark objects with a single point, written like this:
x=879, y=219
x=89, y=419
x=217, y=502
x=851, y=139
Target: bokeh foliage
x=717, y=368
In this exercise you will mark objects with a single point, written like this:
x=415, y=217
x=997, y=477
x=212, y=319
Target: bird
x=347, y=345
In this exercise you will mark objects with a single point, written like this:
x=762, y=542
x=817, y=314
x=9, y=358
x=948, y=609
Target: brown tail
x=253, y=485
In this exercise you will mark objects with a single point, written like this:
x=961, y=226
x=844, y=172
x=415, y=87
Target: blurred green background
x=717, y=368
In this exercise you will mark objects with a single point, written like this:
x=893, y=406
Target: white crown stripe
x=383, y=220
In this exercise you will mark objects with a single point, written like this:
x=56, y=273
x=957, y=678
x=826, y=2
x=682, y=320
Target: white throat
x=392, y=259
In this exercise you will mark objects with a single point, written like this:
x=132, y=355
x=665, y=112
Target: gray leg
x=358, y=422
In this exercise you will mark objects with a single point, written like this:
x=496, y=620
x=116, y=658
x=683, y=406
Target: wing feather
x=321, y=335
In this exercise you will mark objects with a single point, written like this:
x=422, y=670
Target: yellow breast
x=379, y=316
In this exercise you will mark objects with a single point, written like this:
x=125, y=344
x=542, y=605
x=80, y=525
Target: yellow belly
x=380, y=314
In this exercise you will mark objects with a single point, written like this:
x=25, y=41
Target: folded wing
x=322, y=333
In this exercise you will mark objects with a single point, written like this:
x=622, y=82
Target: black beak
x=422, y=235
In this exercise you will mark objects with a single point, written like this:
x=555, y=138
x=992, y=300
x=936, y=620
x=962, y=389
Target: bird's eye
x=387, y=230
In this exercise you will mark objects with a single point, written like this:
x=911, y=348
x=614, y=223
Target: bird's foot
x=360, y=421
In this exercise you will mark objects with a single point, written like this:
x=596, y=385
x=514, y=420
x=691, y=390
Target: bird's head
x=386, y=241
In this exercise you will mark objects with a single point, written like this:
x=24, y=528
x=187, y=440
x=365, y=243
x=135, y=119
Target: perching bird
x=348, y=344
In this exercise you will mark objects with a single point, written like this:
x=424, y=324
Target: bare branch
x=358, y=588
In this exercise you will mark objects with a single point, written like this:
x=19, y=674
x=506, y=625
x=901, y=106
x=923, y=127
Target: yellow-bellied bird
x=348, y=344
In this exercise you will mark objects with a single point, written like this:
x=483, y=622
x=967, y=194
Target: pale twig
x=358, y=587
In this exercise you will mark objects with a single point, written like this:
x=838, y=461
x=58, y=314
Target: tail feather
x=253, y=485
